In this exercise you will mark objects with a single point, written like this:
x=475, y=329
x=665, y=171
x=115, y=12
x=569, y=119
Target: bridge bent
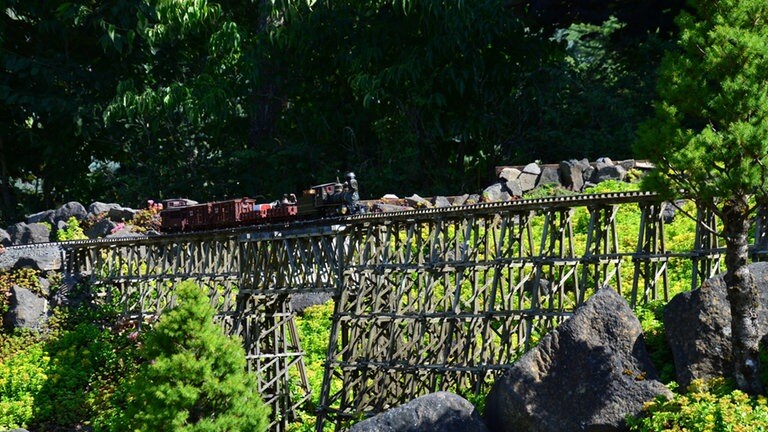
x=425, y=300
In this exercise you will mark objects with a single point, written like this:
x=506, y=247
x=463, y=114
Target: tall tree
x=709, y=139
x=425, y=107
x=58, y=67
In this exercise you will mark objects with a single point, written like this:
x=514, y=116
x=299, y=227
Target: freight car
x=320, y=201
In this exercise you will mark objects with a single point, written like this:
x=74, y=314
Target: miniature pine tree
x=195, y=379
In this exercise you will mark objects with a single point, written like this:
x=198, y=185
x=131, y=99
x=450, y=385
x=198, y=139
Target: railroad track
x=521, y=205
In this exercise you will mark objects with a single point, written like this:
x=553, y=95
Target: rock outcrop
x=26, y=233
x=698, y=327
x=589, y=374
x=27, y=310
x=435, y=412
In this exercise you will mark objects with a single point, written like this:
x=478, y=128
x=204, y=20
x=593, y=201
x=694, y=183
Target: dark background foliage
x=128, y=100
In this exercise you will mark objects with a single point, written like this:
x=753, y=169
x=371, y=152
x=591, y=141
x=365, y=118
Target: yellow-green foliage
x=22, y=375
x=314, y=328
x=72, y=231
x=707, y=407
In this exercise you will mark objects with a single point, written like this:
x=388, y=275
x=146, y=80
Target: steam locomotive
x=320, y=201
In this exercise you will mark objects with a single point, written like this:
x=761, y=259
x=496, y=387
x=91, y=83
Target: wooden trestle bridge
x=424, y=300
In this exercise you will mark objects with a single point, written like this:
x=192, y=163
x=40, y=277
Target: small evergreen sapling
x=195, y=379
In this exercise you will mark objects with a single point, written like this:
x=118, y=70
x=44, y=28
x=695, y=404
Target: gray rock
x=61, y=225
x=670, y=210
x=509, y=173
x=460, y=200
x=24, y=233
x=589, y=374
x=43, y=216
x=68, y=210
x=435, y=412
x=628, y=164
x=441, y=201
x=45, y=286
x=101, y=228
x=418, y=202
x=387, y=208
x=514, y=188
x=121, y=214
x=496, y=192
x=27, y=310
x=529, y=178
x=572, y=174
x=126, y=231
x=5, y=238
x=698, y=327
x=609, y=172
x=603, y=161
x=45, y=258
x=301, y=301
x=549, y=175
x=96, y=208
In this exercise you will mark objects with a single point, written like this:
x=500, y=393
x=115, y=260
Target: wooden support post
x=601, y=260
x=705, y=254
x=650, y=258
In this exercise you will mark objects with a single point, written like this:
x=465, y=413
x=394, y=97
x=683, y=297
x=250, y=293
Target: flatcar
x=320, y=201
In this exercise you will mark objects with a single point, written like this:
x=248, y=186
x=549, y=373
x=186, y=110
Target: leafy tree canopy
x=712, y=120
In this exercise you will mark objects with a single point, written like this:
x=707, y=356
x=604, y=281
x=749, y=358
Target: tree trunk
x=743, y=297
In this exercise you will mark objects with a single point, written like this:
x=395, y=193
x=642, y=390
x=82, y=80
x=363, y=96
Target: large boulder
x=549, y=175
x=509, y=173
x=441, y=201
x=101, y=228
x=435, y=412
x=68, y=210
x=589, y=374
x=514, y=188
x=45, y=216
x=24, y=233
x=416, y=201
x=97, y=207
x=609, y=172
x=27, y=310
x=572, y=173
x=121, y=214
x=496, y=192
x=698, y=327
x=529, y=178
x=44, y=258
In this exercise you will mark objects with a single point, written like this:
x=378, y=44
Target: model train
x=320, y=201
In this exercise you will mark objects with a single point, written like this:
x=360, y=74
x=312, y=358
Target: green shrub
x=72, y=231
x=194, y=378
x=84, y=362
x=712, y=406
x=22, y=375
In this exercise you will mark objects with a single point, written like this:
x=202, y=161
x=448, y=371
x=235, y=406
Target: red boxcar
x=230, y=213
x=173, y=219
x=198, y=216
